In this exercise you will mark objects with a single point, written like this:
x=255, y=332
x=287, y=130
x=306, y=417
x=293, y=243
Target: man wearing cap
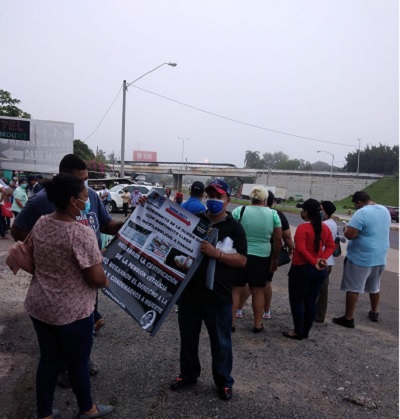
x=368, y=235
x=213, y=305
x=327, y=210
x=193, y=204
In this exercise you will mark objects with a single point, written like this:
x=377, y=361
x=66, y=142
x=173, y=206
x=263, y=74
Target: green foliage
x=384, y=191
x=82, y=150
x=291, y=198
x=8, y=106
x=278, y=160
x=375, y=159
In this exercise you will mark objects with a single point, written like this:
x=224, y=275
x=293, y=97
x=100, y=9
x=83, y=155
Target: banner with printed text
x=152, y=258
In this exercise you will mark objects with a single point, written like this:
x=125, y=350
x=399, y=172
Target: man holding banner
x=208, y=296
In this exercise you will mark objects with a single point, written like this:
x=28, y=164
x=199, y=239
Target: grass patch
x=384, y=191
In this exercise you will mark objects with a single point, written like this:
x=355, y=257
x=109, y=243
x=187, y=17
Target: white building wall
x=318, y=185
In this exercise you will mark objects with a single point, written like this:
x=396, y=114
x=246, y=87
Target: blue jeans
x=305, y=283
x=68, y=344
x=218, y=321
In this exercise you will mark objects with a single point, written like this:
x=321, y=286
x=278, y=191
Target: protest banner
x=152, y=258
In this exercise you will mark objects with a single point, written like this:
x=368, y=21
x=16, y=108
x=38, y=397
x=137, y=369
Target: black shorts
x=256, y=272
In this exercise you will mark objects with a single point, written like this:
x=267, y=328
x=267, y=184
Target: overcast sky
x=326, y=70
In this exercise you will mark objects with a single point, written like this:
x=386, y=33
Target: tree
x=83, y=151
x=252, y=160
x=375, y=159
x=273, y=160
x=8, y=106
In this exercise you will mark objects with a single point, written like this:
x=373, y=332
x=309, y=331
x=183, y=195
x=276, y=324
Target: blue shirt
x=194, y=205
x=370, y=246
x=39, y=205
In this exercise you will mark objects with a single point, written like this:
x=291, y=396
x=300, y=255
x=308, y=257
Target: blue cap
x=220, y=186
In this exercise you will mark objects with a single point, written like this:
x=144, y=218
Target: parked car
x=116, y=201
x=394, y=213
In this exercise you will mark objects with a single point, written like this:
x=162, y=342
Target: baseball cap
x=220, y=186
x=197, y=187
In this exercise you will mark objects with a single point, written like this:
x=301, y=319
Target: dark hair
x=329, y=207
x=312, y=206
x=270, y=199
x=61, y=188
x=360, y=196
x=71, y=162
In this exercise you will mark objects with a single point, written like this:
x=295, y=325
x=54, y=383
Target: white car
x=116, y=191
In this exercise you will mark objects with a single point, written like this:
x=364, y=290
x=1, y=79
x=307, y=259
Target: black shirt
x=196, y=291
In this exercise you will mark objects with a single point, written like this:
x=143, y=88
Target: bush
x=291, y=199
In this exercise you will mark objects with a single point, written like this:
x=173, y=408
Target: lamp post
x=323, y=151
x=124, y=89
x=138, y=144
x=183, y=146
x=358, y=158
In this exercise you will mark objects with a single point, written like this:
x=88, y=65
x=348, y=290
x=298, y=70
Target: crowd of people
x=67, y=217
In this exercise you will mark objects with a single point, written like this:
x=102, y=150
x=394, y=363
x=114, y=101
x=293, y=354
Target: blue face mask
x=215, y=206
x=87, y=206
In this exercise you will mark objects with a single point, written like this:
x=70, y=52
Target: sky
x=324, y=70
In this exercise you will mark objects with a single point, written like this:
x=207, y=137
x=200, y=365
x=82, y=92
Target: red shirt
x=304, y=247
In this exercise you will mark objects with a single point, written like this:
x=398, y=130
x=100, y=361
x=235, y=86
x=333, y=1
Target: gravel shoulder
x=336, y=373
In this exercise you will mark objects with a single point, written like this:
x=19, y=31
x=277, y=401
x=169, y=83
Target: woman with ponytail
x=313, y=245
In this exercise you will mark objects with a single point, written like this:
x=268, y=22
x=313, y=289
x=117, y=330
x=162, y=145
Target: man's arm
x=112, y=227
x=350, y=232
x=17, y=234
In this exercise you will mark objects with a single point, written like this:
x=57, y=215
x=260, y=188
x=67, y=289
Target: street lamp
x=124, y=89
x=138, y=144
x=358, y=159
x=183, y=146
x=323, y=151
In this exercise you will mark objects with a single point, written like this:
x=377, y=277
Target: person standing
x=135, y=196
x=213, y=306
x=126, y=198
x=327, y=209
x=178, y=197
x=261, y=224
x=93, y=215
x=287, y=240
x=313, y=245
x=34, y=186
x=168, y=192
x=193, y=204
x=368, y=235
x=104, y=194
x=20, y=197
x=62, y=294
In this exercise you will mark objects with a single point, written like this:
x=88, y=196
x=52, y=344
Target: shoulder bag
x=20, y=256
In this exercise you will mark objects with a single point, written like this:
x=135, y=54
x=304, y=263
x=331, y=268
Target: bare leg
x=267, y=296
x=374, y=299
x=244, y=295
x=235, y=303
x=258, y=305
x=351, y=302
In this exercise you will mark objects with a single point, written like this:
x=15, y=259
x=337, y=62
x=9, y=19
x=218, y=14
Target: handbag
x=6, y=210
x=338, y=249
x=20, y=256
x=283, y=258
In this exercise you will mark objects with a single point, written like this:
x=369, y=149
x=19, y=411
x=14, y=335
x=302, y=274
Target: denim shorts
x=360, y=279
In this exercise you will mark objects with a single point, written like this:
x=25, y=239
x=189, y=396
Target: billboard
x=146, y=156
x=34, y=145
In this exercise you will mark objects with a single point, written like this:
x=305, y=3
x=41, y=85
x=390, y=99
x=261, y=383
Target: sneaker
x=342, y=321
x=225, y=393
x=239, y=314
x=373, y=316
x=267, y=315
x=101, y=412
x=180, y=382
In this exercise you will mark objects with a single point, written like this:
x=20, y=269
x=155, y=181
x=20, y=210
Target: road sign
x=34, y=145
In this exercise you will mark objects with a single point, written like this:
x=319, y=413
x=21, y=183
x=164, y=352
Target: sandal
x=258, y=329
x=288, y=335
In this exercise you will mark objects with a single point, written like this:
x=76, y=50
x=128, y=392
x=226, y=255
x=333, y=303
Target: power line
x=108, y=110
x=240, y=122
